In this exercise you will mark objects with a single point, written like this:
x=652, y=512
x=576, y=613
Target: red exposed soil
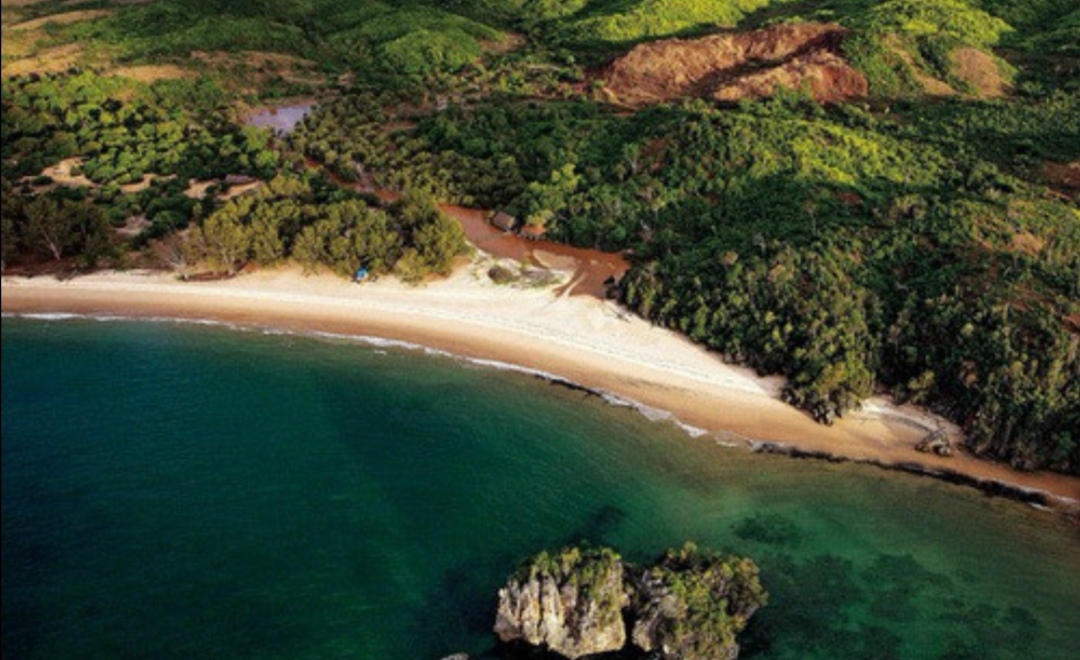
x=735, y=66
x=592, y=268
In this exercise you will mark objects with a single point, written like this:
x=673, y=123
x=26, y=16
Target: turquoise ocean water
x=186, y=491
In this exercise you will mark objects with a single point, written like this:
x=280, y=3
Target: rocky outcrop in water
x=570, y=602
x=688, y=605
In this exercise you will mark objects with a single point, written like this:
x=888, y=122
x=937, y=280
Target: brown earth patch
x=50, y=60
x=145, y=182
x=510, y=41
x=254, y=59
x=20, y=3
x=824, y=76
x=1072, y=323
x=198, y=189
x=63, y=174
x=592, y=270
x=1027, y=243
x=931, y=86
x=133, y=226
x=252, y=69
x=732, y=66
x=115, y=2
x=240, y=189
x=10, y=16
x=17, y=44
x=1063, y=177
x=979, y=70
x=150, y=73
x=66, y=18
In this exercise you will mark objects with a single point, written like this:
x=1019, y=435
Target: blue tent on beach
x=361, y=274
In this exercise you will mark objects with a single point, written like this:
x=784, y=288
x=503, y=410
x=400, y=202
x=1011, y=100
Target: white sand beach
x=582, y=339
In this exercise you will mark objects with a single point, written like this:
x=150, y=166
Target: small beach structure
x=239, y=179
x=503, y=220
x=360, y=275
x=533, y=232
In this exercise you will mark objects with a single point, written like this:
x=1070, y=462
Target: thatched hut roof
x=534, y=232
x=503, y=221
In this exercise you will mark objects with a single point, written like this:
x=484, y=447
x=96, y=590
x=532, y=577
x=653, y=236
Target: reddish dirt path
x=592, y=269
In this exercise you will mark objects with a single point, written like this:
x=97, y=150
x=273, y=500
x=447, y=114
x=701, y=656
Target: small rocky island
x=687, y=605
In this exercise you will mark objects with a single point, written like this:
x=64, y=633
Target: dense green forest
x=828, y=245
x=173, y=134
x=910, y=242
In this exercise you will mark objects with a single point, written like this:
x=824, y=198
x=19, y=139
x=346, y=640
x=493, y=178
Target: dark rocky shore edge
x=1037, y=498
x=1070, y=508
x=991, y=487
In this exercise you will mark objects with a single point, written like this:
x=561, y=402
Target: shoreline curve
x=577, y=341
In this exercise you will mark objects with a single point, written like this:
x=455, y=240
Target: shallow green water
x=186, y=491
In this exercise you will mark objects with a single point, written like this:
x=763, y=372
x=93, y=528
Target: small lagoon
x=281, y=119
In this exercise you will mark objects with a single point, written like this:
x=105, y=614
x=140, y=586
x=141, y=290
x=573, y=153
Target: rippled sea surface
x=182, y=491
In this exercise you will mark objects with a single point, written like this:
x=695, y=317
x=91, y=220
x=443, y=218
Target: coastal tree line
x=899, y=245
x=344, y=232
x=844, y=249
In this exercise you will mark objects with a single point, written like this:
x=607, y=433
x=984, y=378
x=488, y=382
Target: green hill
x=923, y=241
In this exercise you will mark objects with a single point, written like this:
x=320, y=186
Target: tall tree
x=228, y=240
x=47, y=230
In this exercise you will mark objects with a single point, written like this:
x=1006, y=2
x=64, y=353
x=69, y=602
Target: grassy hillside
x=367, y=36
x=923, y=241
x=391, y=43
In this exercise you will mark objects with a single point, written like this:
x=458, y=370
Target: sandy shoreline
x=579, y=339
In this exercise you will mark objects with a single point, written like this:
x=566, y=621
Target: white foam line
x=650, y=413
x=519, y=327
x=58, y=316
x=653, y=414
x=118, y=318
